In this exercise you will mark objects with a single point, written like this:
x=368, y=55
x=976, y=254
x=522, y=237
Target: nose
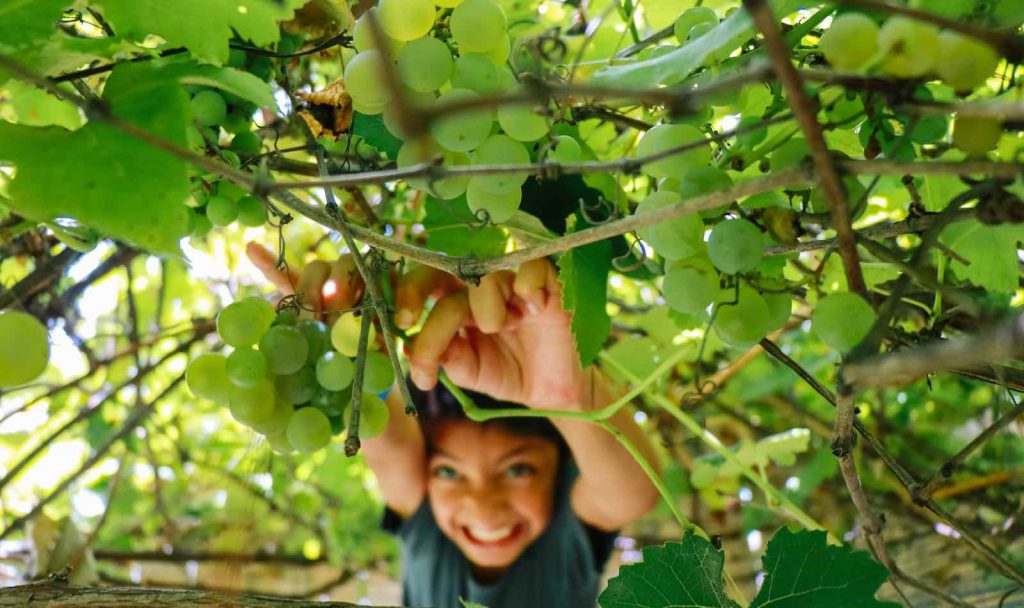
x=485, y=505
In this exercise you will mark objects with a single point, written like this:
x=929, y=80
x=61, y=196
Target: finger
x=443, y=323
x=266, y=263
x=413, y=289
x=488, y=301
x=310, y=288
x=532, y=283
x=344, y=287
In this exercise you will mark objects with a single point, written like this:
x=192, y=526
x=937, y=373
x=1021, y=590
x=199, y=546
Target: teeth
x=490, y=536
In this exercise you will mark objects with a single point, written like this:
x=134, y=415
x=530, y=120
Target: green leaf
x=371, y=128
x=676, y=65
x=38, y=108
x=584, y=276
x=686, y=574
x=802, y=570
x=103, y=178
x=25, y=21
x=528, y=229
x=991, y=251
x=202, y=26
x=985, y=12
x=236, y=82
x=451, y=228
x=780, y=448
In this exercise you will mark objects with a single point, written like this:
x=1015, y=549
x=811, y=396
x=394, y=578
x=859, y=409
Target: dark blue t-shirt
x=560, y=569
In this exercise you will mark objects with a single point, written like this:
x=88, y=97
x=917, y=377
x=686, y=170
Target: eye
x=520, y=469
x=445, y=472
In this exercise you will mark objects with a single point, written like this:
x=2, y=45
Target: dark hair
x=438, y=405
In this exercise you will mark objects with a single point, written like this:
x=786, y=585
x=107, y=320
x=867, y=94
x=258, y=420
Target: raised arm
x=397, y=458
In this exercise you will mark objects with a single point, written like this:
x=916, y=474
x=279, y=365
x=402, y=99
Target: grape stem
x=352, y=441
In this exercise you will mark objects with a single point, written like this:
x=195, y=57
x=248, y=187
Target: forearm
x=610, y=476
x=397, y=458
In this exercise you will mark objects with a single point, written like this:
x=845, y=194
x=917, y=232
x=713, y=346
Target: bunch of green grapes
x=224, y=204
x=290, y=379
x=456, y=64
x=907, y=48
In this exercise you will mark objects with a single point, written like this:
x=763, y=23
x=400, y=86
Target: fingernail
x=421, y=379
x=532, y=308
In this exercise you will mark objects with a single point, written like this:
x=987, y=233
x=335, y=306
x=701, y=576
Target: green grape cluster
x=908, y=48
x=456, y=63
x=290, y=379
x=224, y=205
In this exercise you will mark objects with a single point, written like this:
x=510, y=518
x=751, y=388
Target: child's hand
x=508, y=337
x=323, y=289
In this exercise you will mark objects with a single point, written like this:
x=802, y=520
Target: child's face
x=491, y=491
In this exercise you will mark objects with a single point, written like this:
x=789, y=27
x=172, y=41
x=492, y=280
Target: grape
x=317, y=338
x=238, y=123
x=691, y=17
x=334, y=371
x=364, y=40
x=285, y=349
x=247, y=143
x=851, y=42
x=209, y=108
x=277, y=422
x=252, y=405
x=298, y=387
x=373, y=414
x=964, y=62
x=202, y=227
x=976, y=136
x=699, y=30
x=279, y=443
x=406, y=19
x=309, y=430
x=364, y=80
x=689, y=289
x=241, y=324
x=378, y=375
x=703, y=180
x=461, y=131
x=501, y=150
x=909, y=46
x=475, y=72
x=565, y=150
x=499, y=207
x=332, y=403
x=288, y=316
x=668, y=136
x=676, y=238
x=478, y=25
x=780, y=308
x=414, y=100
x=506, y=80
x=522, y=122
x=766, y=199
x=221, y=211
x=842, y=320
x=24, y=348
x=345, y=334
x=452, y=187
x=425, y=65
x=735, y=246
x=499, y=54
x=207, y=377
x=447, y=3
x=743, y=324
x=251, y=212
x=246, y=367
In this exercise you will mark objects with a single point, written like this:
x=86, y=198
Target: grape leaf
x=451, y=228
x=991, y=251
x=686, y=574
x=25, y=21
x=780, y=448
x=371, y=128
x=802, y=570
x=236, y=82
x=675, y=65
x=207, y=36
x=38, y=108
x=103, y=178
x=985, y=12
x=584, y=276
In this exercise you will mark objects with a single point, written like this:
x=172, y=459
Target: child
x=496, y=513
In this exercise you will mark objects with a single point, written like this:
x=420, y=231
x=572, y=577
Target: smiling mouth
x=495, y=538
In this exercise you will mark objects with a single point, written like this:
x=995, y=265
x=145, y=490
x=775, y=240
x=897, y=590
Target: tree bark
x=54, y=594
